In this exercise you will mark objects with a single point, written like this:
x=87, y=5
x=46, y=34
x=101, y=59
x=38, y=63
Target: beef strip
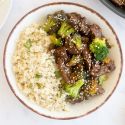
x=86, y=56
x=95, y=68
x=98, y=70
x=64, y=70
x=79, y=23
x=60, y=15
x=95, y=31
x=60, y=52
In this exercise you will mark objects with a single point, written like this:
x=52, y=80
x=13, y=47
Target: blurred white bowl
x=5, y=8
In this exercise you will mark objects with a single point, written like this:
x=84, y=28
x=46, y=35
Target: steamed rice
x=43, y=90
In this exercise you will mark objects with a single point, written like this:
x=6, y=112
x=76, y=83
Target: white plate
x=85, y=107
x=5, y=7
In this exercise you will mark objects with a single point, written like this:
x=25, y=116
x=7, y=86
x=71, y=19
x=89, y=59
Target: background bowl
x=5, y=8
x=118, y=10
x=35, y=15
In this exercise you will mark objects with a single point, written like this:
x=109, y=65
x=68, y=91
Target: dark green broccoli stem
x=73, y=90
x=55, y=41
x=51, y=22
x=77, y=40
x=99, y=49
x=65, y=30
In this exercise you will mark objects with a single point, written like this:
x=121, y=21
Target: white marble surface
x=12, y=112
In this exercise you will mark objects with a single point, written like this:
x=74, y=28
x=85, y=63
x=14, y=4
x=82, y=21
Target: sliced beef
x=79, y=23
x=70, y=46
x=98, y=70
x=77, y=73
x=85, y=39
x=61, y=53
x=95, y=68
x=60, y=16
x=84, y=28
x=95, y=31
x=72, y=50
x=87, y=56
x=64, y=70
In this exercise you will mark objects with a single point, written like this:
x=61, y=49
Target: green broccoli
x=102, y=78
x=65, y=30
x=74, y=60
x=28, y=44
x=99, y=48
x=51, y=22
x=77, y=40
x=55, y=41
x=73, y=90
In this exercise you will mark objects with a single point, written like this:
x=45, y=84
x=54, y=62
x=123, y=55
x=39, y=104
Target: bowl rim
x=51, y=4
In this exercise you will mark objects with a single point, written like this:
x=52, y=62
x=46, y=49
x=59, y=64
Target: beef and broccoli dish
x=81, y=54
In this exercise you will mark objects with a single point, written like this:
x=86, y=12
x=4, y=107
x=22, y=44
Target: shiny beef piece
x=87, y=56
x=95, y=31
x=61, y=53
x=77, y=73
x=85, y=40
x=79, y=23
x=95, y=68
x=64, y=70
x=70, y=47
x=60, y=15
x=98, y=70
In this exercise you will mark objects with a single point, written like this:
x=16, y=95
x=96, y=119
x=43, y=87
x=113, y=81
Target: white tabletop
x=12, y=112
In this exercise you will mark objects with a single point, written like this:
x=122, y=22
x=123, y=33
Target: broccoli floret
x=102, y=78
x=73, y=90
x=99, y=48
x=65, y=30
x=55, y=41
x=77, y=40
x=51, y=22
x=74, y=60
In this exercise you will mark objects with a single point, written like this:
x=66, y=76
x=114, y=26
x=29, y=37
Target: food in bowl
x=63, y=61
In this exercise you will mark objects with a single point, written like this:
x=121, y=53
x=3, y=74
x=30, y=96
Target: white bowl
x=85, y=107
x=5, y=8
